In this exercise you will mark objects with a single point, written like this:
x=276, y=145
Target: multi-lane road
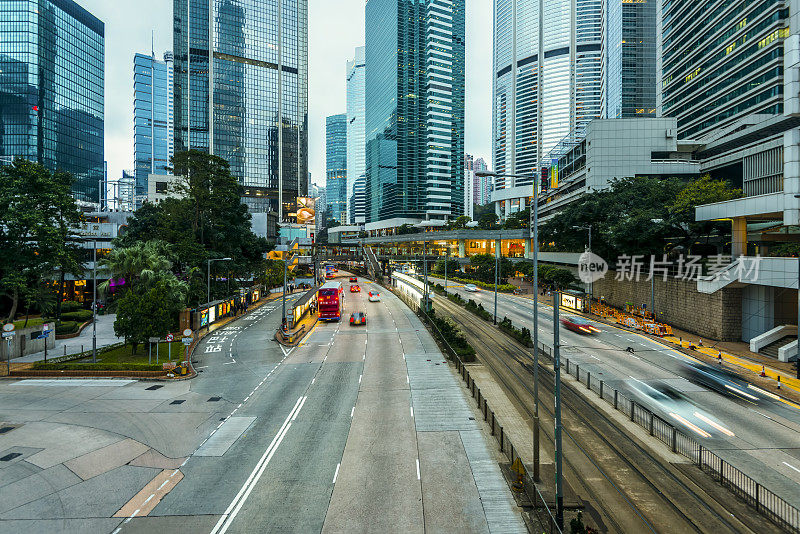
x=751, y=429
x=359, y=429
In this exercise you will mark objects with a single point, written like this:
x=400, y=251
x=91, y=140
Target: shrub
x=478, y=310
x=47, y=366
x=66, y=327
x=80, y=316
x=448, y=330
x=70, y=306
x=523, y=336
x=455, y=297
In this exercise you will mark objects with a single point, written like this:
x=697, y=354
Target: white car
x=472, y=288
x=374, y=296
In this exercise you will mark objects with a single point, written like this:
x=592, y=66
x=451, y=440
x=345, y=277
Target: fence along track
x=513, y=349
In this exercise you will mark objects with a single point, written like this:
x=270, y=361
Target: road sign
x=8, y=327
x=154, y=339
x=170, y=337
x=9, y=334
x=187, y=332
x=187, y=340
x=45, y=332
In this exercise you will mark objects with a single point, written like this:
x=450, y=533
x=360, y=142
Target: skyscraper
x=567, y=37
x=52, y=89
x=358, y=202
x=481, y=185
x=630, y=59
x=153, y=119
x=336, y=167
x=245, y=97
x=355, y=135
x=414, y=97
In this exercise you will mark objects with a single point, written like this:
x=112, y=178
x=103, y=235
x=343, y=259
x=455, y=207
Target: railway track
x=632, y=489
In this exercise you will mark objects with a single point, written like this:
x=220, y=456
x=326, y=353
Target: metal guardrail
x=764, y=501
x=546, y=520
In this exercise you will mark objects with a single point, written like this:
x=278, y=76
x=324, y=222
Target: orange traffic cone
x=763, y=374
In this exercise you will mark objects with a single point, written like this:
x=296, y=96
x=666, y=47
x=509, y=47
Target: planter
x=82, y=373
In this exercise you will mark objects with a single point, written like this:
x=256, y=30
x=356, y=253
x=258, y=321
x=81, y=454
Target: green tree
x=520, y=219
x=151, y=312
x=483, y=266
x=488, y=221
x=37, y=213
x=453, y=266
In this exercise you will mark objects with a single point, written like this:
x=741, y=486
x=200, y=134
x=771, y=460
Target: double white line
x=227, y=518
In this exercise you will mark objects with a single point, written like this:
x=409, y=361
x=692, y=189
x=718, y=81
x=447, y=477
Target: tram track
x=650, y=496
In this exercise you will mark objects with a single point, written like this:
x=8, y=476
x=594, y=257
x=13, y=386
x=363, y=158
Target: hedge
x=66, y=327
x=500, y=287
x=80, y=316
x=523, y=336
x=478, y=310
x=47, y=366
x=70, y=306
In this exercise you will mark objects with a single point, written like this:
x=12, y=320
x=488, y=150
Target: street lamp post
x=498, y=249
x=534, y=222
x=94, y=305
x=557, y=414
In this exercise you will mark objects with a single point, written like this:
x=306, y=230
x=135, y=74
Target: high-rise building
x=414, y=98
x=358, y=202
x=729, y=74
x=477, y=189
x=336, y=167
x=153, y=119
x=52, y=89
x=355, y=134
x=244, y=97
x=630, y=76
x=561, y=42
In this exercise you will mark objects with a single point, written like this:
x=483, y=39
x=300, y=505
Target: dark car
x=353, y=279
x=579, y=325
x=358, y=318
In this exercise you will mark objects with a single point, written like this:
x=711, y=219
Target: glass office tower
x=336, y=167
x=630, y=59
x=153, y=129
x=245, y=97
x=51, y=89
x=414, y=97
x=355, y=134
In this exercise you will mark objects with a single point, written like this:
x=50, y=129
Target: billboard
x=305, y=210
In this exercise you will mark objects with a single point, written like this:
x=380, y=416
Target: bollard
x=65, y=351
x=567, y=365
x=616, y=395
x=779, y=381
x=588, y=380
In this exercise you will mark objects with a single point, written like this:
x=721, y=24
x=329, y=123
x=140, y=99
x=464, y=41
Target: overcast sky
x=336, y=27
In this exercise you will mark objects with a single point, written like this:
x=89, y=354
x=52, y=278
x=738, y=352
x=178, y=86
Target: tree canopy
x=643, y=215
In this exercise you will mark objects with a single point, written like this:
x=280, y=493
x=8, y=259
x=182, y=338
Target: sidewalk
x=105, y=337
x=306, y=325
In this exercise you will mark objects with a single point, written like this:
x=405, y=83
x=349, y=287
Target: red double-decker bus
x=330, y=299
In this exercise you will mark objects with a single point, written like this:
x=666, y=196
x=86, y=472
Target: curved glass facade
x=52, y=55
x=259, y=96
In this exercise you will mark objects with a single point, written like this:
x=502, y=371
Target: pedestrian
x=700, y=343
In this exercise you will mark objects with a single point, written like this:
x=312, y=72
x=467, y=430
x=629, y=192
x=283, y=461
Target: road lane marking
x=793, y=467
x=299, y=408
x=150, y=497
x=352, y=412
x=233, y=509
x=359, y=378
x=418, y=477
x=336, y=474
x=412, y=410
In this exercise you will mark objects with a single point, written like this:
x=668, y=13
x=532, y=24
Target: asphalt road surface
x=753, y=431
x=359, y=429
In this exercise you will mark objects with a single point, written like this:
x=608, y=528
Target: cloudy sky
x=336, y=27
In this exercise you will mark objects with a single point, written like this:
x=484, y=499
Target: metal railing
x=764, y=501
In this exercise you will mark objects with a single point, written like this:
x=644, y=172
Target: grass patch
x=41, y=366
x=120, y=359
x=37, y=321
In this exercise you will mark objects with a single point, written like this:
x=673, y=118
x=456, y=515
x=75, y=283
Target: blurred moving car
x=355, y=288
x=579, y=325
x=358, y=318
x=720, y=380
x=353, y=279
x=472, y=288
x=374, y=296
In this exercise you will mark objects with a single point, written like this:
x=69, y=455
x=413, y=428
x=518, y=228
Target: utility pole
x=94, y=305
x=498, y=244
x=425, y=271
x=447, y=259
x=535, y=246
x=283, y=302
x=557, y=434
